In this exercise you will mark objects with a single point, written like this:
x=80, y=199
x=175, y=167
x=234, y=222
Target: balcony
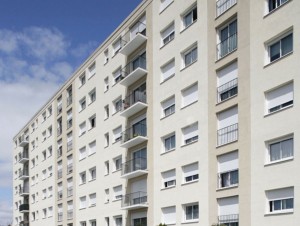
x=134, y=103
x=134, y=135
x=24, y=208
x=227, y=46
x=59, y=195
x=59, y=131
x=70, y=145
x=69, y=168
x=59, y=173
x=24, y=223
x=69, y=191
x=59, y=152
x=70, y=214
x=23, y=174
x=60, y=217
x=24, y=140
x=134, y=200
x=228, y=220
x=23, y=156
x=227, y=135
x=69, y=100
x=69, y=123
x=134, y=168
x=133, y=38
x=223, y=5
x=227, y=90
x=24, y=191
x=134, y=70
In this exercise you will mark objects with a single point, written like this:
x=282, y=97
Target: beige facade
x=184, y=115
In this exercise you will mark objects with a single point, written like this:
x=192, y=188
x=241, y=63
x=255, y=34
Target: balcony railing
x=59, y=216
x=232, y=218
x=223, y=5
x=227, y=90
x=69, y=100
x=227, y=135
x=227, y=46
x=69, y=191
x=133, y=132
x=24, y=140
x=139, y=62
x=133, y=38
x=70, y=214
x=59, y=152
x=70, y=145
x=24, y=223
x=133, y=99
x=134, y=199
x=24, y=207
x=134, y=165
x=59, y=173
x=24, y=173
x=23, y=156
x=23, y=190
x=59, y=131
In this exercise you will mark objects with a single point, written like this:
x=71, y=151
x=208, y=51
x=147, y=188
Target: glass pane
x=272, y=5
x=287, y=44
x=277, y=205
x=275, y=151
x=188, y=19
x=287, y=148
x=225, y=180
x=196, y=212
x=274, y=51
x=188, y=58
x=189, y=213
x=194, y=54
x=234, y=177
x=288, y=204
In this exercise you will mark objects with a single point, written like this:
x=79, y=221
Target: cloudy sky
x=41, y=44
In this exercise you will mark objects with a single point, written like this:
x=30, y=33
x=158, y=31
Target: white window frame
x=282, y=2
x=170, y=136
x=193, y=50
x=193, y=139
x=194, y=218
x=82, y=104
x=167, y=34
x=184, y=96
x=168, y=106
x=194, y=177
x=92, y=96
x=276, y=141
x=168, y=179
x=168, y=69
x=185, y=15
x=82, y=80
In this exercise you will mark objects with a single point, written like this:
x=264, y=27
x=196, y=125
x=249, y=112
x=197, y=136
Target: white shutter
x=59, y=166
x=138, y=119
x=82, y=153
x=60, y=208
x=280, y=95
x=117, y=45
x=167, y=31
x=137, y=215
x=70, y=183
x=92, y=147
x=70, y=159
x=140, y=185
x=190, y=170
x=228, y=162
x=228, y=206
x=59, y=187
x=190, y=95
x=282, y=193
x=117, y=132
x=117, y=190
x=169, y=175
x=169, y=215
x=93, y=199
x=168, y=70
x=164, y=4
x=70, y=205
x=227, y=74
x=169, y=102
x=190, y=131
x=228, y=118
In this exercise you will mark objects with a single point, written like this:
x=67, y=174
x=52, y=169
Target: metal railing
x=223, y=5
x=59, y=151
x=139, y=129
x=70, y=145
x=134, y=165
x=134, y=98
x=70, y=214
x=24, y=138
x=23, y=207
x=23, y=155
x=136, y=198
x=70, y=191
x=139, y=62
x=132, y=33
x=24, y=172
x=69, y=100
x=23, y=190
x=228, y=218
x=227, y=46
x=60, y=216
x=227, y=135
x=59, y=173
x=227, y=90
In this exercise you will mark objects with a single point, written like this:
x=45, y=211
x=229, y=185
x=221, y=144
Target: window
x=280, y=98
x=190, y=17
x=50, y=131
x=82, y=153
x=50, y=211
x=281, y=149
x=69, y=164
x=169, y=215
x=222, y=6
x=92, y=95
x=228, y=173
x=70, y=187
x=118, y=163
x=49, y=111
x=44, y=117
x=92, y=70
x=190, y=56
x=118, y=221
x=227, y=82
x=92, y=173
x=168, y=70
x=82, y=128
x=50, y=192
x=69, y=119
x=106, y=195
x=189, y=95
x=190, y=173
x=280, y=200
x=106, y=84
x=191, y=212
x=92, y=147
x=106, y=59
x=82, y=202
x=164, y=4
x=168, y=34
x=44, y=194
x=281, y=47
x=82, y=177
x=106, y=140
x=273, y=4
x=228, y=209
x=106, y=168
x=44, y=155
x=168, y=106
x=106, y=112
x=82, y=80
x=50, y=151
x=169, y=142
x=92, y=198
x=117, y=133
x=117, y=192
x=117, y=46
x=117, y=75
x=227, y=37
x=50, y=171
x=117, y=105
x=190, y=134
x=93, y=223
x=169, y=179
x=82, y=104
x=82, y=223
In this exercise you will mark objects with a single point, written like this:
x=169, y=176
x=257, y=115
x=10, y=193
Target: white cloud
x=8, y=41
x=5, y=212
x=84, y=49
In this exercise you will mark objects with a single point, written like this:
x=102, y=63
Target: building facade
x=185, y=114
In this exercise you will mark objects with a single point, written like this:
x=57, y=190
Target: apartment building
x=185, y=114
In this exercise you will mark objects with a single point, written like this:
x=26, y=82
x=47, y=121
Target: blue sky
x=41, y=43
